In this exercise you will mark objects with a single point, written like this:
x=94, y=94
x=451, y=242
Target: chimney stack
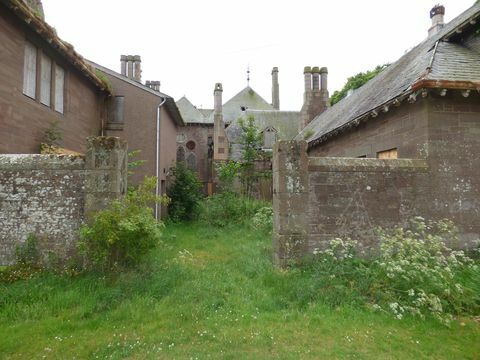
x=123, y=65
x=137, y=68
x=324, y=86
x=154, y=85
x=315, y=78
x=436, y=14
x=275, y=89
x=307, y=73
x=217, y=102
x=131, y=67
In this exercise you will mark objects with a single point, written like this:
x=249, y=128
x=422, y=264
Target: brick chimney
x=123, y=65
x=137, y=68
x=316, y=97
x=275, y=89
x=436, y=14
x=154, y=85
x=131, y=67
x=220, y=142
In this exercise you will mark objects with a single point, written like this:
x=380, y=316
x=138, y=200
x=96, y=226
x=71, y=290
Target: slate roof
x=248, y=98
x=435, y=62
x=190, y=114
x=35, y=22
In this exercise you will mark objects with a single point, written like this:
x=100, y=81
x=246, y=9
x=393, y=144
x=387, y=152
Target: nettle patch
x=414, y=273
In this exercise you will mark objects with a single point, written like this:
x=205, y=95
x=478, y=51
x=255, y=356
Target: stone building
x=405, y=144
x=43, y=80
x=214, y=134
x=145, y=117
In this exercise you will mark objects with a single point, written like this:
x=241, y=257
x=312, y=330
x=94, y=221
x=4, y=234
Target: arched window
x=269, y=137
x=180, y=154
x=192, y=162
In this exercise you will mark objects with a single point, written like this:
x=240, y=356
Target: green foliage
x=307, y=134
x=414, y=274
x=53, y=135
x=185, y=194
x=27, y=253
x=214, y=293
x=227, y=173
x=229, y=208
x=133, y=164
x=251, y=144
x=355, y=82
x=104, y=79
x=263, y=219
x=124, y=232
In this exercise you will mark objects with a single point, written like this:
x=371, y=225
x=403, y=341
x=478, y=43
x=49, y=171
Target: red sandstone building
x=43, y=80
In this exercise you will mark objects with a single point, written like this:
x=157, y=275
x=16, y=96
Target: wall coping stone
x=327, y=164
x=15, y=162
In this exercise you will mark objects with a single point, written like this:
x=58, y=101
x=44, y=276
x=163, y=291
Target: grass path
x=209, y=293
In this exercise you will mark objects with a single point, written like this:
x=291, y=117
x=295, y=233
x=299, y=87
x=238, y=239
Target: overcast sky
x=189, y=45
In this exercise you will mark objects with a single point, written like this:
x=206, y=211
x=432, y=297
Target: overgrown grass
x=212, y=293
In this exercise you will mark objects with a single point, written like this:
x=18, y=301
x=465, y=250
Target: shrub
x=415, y=273
x=125, y=231
x=185, y=194
x=263, y=219
x=228, y=207
x=27, y=253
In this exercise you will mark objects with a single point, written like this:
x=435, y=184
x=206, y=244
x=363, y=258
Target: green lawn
x=210, y=293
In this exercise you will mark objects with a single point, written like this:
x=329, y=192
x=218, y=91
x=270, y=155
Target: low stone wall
x=317, y=199
x=49, y=196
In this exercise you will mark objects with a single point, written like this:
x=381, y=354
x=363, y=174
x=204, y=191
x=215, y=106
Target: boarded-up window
x=269, y=138
x=59, y=88
x=388, y=154
x=30, y=70
x=45, y=80
x=221, y=150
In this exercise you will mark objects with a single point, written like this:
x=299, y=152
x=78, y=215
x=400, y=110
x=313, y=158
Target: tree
x=251, y=142
x=355, y=82
x=185, y=194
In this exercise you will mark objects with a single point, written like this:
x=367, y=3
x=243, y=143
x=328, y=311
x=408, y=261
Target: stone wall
x=317, y=199
x=49, y=196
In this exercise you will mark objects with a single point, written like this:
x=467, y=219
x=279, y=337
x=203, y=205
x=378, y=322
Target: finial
x=248, y=75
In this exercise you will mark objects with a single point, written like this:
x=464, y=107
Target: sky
x=189, y=45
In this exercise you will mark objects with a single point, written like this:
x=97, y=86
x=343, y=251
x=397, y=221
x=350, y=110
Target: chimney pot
x=316, y=78
x=123, y=65
x=217, y=95
x=307, y=72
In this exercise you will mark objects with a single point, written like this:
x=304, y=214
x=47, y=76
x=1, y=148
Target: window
x=180, y=154
x=191, y=145
x=269, y=138
x=30, y=71
x=59, y=88
x=50, y=88
x=45, y=80
x=387, y=154
x=192, y=162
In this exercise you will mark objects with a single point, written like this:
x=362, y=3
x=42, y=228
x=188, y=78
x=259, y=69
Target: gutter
x=157, y=158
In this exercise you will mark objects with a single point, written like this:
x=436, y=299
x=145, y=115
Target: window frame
x=54, y=95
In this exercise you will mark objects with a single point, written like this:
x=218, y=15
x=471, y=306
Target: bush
x=415, y=273
x=27, y=253
x=228, y=208
x=263, y=219
x=125, y=231
x=185, y=194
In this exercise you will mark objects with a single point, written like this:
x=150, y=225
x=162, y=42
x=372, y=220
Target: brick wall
x=49, y=196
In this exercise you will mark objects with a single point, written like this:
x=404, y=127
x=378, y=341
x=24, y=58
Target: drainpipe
x=157, y=168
